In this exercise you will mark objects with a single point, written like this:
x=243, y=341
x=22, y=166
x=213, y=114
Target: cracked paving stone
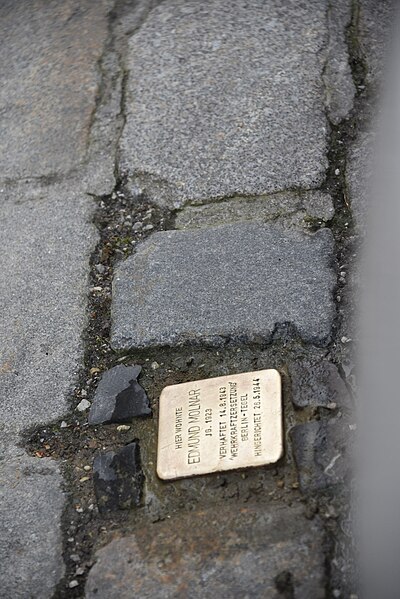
x=119, y=397
x=237, y=281
x=321, y=451
x=317, y=383
x=231, y=552
x=226, y=98
x=118, y=478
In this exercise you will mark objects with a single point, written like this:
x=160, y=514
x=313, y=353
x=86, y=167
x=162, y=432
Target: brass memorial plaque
x=220, y=424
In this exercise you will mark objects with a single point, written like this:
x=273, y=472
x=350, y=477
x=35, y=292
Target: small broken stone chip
x=118, y=478
x=220, y=424
x=119, y=397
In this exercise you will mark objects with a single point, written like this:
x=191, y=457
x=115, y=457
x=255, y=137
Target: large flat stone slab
x=234, y=281
x=225, y=551
x=226, y=97
x=49, y=82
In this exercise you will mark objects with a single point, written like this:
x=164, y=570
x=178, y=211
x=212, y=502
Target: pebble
x=75, y=557
x=155, y=365
x=87, y=467
x=337, y=172
x=123, y=428
x=73, y=584
x=63, y=424
x=80, y=571
x=148, y=227
x=137, y=226
x=83, y=393
x=83, y=405
x=84, y=479
x=345, y=339
x=100, y=268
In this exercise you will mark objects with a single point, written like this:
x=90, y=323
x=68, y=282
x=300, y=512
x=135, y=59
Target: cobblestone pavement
x=182, y=187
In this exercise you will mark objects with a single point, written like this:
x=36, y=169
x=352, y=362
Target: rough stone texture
x=118, y=478
x=234, y=281
x=337, y=74
x=317, y=383
x=322, y=453
x=290, y=208
x=359, y=171
x=375, y=25
x=47, y=239
x=236, y=553
x=43, y=283
x=49, y=83
x=119, y=397
x=375, y=22
x=31, y=503
x=226, y=98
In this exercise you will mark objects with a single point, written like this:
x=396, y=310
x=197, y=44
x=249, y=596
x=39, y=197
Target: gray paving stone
x=317, y=383
x=359, y=174
x=43, y=286
x=226, y=98
x=234, y=281
x=253, y=551
x=337, y=74
x=376, y=20
x=322, y=451
x=287, y=208
x=375, y=23
x=31, y=503
x=49, y=83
